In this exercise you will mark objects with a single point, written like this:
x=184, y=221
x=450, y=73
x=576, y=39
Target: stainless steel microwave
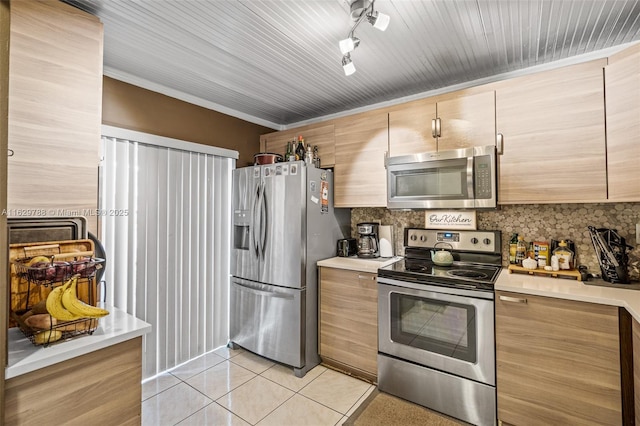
x=453, y=179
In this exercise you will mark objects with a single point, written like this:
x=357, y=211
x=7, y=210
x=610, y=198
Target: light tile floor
x=236, y=387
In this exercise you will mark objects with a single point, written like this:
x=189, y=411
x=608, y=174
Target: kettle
x=442, y=257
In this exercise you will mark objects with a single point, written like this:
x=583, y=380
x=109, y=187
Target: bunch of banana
x=55, y=307
x=63, y=303
x=76, y=306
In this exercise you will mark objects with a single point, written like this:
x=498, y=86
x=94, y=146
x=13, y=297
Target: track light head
x=347, y=65
x=349, y=44
x=379, y=20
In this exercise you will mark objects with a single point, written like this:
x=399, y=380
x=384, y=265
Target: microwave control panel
x=482, y=174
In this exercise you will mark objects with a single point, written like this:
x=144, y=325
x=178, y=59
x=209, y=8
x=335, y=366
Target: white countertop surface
x=355, y=263
x=25, y=357
x=571, y=290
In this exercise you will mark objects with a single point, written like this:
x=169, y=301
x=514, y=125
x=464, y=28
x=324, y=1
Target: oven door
x=432, y=327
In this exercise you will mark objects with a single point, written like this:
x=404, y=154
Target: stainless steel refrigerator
x=283, y=223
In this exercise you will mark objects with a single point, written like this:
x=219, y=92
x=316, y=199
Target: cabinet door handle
x=433, y=127
x=438, y=127
x=500, y=143
x=365, y=277
x=513, y=299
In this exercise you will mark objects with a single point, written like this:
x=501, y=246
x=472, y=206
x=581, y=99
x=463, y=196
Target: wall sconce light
x=360, y=9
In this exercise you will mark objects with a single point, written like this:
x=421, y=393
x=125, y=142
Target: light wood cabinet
x=554, y=136
x=55, y=104
x=558, y=361
x=410, y=128
x=466, y=120
x=321, y=136
x=362, y=140
x=622, y=87
x=636, y=369
x=102, y=387
x=349, y=321
x=461, y=119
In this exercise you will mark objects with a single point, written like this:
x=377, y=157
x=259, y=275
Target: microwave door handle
x=470, y=177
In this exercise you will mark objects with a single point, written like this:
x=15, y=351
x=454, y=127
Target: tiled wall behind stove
x=536, y=222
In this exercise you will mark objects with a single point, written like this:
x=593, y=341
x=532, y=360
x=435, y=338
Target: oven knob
x=423, y=238
x=413, y=237
x=474, y=240
x=487, y=241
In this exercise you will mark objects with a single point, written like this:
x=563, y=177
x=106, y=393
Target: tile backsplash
x=536, y=222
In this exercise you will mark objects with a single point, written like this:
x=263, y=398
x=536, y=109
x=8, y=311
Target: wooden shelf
x=571, y=274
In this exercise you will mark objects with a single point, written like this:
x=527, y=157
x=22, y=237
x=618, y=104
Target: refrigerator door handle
x=264, y=218
x=255, y=211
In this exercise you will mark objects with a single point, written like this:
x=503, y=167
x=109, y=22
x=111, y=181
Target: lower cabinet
x=99, y=388
x=558, y=361
x=349, y=321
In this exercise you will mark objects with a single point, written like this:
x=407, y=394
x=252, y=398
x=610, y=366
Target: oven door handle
x=513, y=299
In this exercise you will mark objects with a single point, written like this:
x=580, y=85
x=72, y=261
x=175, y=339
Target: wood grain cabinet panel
x=466, y=119
x=349, y=320
x=410, y=128
x=362, y=140
x=622, y=87
x=558, y=361
x=554, y=136
x=321, y=136
x=55, y=108
x=99, y=388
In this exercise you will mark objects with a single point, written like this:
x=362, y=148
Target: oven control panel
x=482, y=241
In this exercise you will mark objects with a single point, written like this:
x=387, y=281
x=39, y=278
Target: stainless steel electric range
x=436, y=342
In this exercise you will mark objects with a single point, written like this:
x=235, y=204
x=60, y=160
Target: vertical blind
x=165, y=224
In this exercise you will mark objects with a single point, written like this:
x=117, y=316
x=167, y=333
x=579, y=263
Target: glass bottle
x=316, y=157
x=513, y=242
x=300, y=151
x=287, y=152
x=521, y=250
x=564, y=255
x=292, y=151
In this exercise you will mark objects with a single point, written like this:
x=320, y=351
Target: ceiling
x=277, y=63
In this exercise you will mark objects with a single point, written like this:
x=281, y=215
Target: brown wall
x=134, y=108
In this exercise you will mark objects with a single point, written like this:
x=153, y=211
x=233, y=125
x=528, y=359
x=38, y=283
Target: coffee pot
x=368, y=242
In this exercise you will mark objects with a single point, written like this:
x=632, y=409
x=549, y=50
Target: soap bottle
x=564, y=255
x=521, y=250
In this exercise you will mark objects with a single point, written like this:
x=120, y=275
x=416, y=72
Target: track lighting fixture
x=360, y=10
x=347, y=65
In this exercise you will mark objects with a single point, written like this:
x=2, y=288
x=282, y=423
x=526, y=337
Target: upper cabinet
x=460, y=119
x=622, y=87
x=554, y=136
x=410, y=128
x=465, y=120
x=55, y=109
x=321, y=136
x=361, y=145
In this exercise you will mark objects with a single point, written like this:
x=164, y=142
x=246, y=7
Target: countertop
x=355, y=263
x=25, y=357
x=570, y=290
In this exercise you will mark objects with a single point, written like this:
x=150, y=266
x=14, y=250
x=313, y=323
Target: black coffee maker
x=368, y=240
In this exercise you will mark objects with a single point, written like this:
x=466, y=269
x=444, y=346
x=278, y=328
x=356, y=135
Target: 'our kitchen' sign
x=451, y=219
